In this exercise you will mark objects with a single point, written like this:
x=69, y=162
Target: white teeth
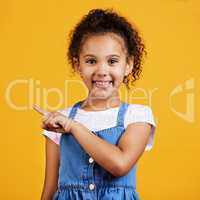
x=102, y=83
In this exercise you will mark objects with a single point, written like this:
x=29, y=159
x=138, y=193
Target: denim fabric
x=81, y=178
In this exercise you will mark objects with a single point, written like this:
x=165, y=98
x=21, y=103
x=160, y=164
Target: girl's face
x=103, y=65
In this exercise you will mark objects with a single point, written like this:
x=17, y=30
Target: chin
x=101, y=95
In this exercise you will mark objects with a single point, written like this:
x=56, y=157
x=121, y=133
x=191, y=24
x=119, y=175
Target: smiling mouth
x=102, y=84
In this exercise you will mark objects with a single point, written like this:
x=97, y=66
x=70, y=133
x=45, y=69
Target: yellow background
x=33, y=39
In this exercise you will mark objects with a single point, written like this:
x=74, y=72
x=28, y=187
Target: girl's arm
x=51, y=170
x=118, y=160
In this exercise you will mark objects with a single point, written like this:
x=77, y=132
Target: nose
x=102, y=71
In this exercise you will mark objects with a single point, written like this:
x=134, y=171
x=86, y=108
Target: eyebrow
x=91, y=55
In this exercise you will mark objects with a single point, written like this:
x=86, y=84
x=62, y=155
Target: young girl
x=92, y=147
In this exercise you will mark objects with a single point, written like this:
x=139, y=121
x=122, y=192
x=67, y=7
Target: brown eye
x=91, y=61
x=112, y=61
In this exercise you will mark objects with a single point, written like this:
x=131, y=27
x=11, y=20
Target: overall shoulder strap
x=74, y=109
x=121, y=114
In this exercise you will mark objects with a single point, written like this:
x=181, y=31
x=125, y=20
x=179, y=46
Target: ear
x=76, y=64
x=129, y=65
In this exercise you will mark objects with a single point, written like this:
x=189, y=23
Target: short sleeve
x=141, y=113
x=54, y=136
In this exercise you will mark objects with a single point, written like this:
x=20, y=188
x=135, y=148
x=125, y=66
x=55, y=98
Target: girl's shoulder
x=138, y=106
x=140, y=113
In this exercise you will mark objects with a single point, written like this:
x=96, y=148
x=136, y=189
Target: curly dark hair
x=101, y=21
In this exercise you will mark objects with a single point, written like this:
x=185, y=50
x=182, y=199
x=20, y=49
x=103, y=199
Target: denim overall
x=81, y=178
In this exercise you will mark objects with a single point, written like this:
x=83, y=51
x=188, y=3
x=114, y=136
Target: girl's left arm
x=118, y=160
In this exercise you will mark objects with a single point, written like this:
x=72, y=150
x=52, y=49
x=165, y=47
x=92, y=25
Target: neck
x=100, y=104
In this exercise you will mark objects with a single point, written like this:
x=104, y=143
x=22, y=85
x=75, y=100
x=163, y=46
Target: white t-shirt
x=108, y=118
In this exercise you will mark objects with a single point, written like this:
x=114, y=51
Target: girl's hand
x=55, y=121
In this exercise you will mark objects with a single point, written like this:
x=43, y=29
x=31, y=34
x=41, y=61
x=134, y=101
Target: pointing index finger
x=40, y=110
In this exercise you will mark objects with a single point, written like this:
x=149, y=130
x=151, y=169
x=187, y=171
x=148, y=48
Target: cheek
x=119, y=75
x=86, y=75
x=86, y=72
